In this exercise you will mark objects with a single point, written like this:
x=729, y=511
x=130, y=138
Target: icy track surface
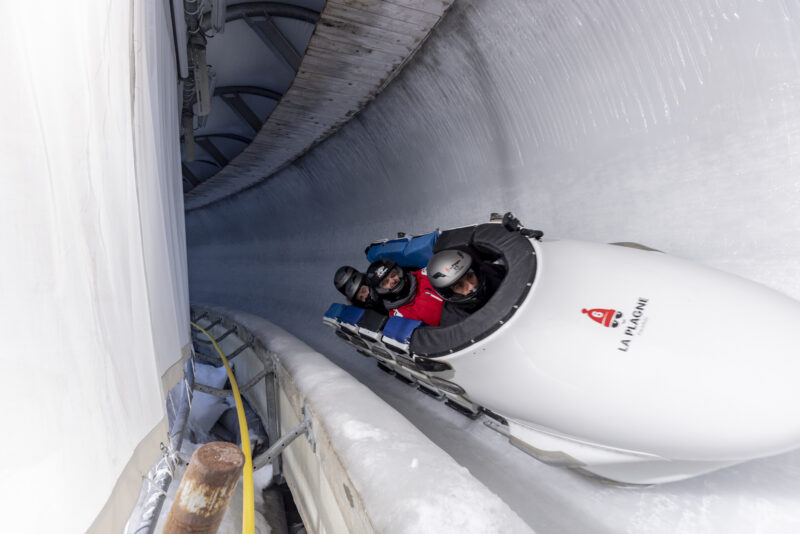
x=674, y=124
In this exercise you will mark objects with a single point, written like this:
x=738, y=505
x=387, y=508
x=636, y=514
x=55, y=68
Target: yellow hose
x=248, y=504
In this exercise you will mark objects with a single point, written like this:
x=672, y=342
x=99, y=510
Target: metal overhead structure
x=269, y=33
x=203, y=84
x=212, y=150
x=188, y=177
x=273, y=9
x=259, y=17
x=232, y=95
x=322, y=62
x=206, y=143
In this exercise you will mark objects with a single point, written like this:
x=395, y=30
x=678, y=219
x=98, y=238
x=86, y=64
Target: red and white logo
x=606, y=317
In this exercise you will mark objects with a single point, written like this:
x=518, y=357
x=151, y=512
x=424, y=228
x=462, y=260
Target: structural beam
x=207, y=162
x=260, y=9
x=189, y=176
x=249, y=90
x=232, y=137
x=208, y=145
x=240, y=107
x=269, y=33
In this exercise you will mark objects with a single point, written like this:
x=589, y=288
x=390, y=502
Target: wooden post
x=206, y=489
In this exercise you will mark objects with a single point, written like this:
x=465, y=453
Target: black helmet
x=378, y=271
x=353, y=285
x=343, y=275
x=446, y=268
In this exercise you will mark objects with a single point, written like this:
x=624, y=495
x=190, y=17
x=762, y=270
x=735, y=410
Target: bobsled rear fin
x=518, y=256
x=406, y=252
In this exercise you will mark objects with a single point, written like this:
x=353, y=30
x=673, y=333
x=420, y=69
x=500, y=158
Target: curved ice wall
x=672, y=123
x=94, y=297
x=675, y=124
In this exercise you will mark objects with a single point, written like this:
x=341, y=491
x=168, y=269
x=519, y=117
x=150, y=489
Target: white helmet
x=446, y=268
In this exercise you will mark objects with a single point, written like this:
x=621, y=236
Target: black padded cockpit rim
x=520, y=259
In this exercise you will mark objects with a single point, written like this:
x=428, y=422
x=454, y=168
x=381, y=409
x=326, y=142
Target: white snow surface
x=408, y=484
x=675, y=124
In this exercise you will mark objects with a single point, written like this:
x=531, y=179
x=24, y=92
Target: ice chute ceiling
x=281, y=77
x=238, y=70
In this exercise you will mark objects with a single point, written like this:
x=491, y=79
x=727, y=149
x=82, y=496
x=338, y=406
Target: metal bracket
x=213, y=358
x=305, y=427
x=209, y=327
x=218, y=339
x=229, y=392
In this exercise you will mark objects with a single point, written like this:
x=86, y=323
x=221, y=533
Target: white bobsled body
x=639, y=367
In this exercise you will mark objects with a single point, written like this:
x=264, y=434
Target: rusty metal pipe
x=206, y=489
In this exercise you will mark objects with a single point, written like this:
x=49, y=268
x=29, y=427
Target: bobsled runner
x=620, y=362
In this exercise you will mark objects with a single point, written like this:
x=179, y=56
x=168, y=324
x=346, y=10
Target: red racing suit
x=426, y=306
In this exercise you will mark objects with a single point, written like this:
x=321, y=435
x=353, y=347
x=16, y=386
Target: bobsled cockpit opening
x=518, y=256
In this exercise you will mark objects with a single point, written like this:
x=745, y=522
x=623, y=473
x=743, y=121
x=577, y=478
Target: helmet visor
x=465, y=289
x=391, y=282
x=353, y=284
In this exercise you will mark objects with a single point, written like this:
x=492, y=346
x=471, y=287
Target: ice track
x=675, y=125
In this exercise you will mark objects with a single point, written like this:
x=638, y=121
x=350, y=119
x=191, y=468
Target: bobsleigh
x=620, y=362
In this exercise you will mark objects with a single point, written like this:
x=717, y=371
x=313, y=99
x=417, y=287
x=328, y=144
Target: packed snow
x=407, y=483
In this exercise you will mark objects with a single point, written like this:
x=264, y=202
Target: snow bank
x=378, y=465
